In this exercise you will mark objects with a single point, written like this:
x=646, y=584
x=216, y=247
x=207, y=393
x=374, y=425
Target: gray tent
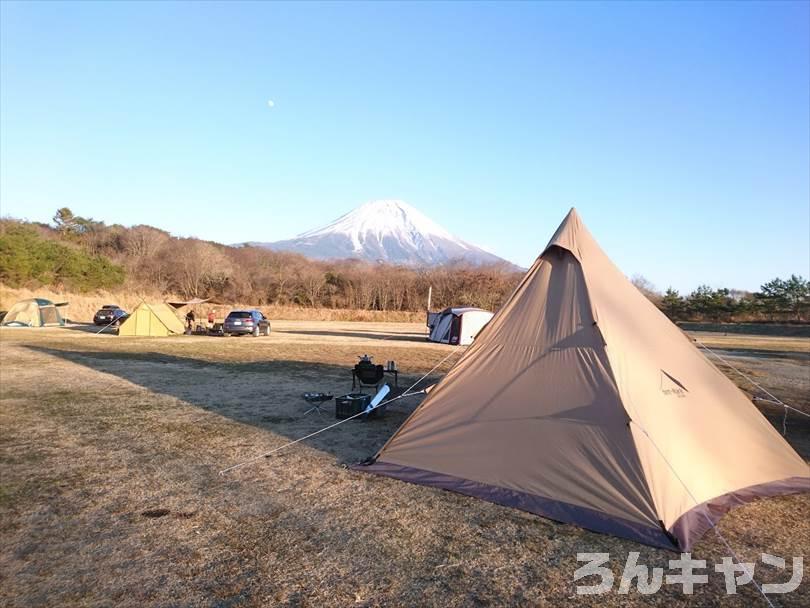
x=34, y=312
x=457, y=325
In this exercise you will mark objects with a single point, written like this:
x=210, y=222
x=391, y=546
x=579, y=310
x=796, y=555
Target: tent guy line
x=773, y=398
x=113, y=322
x=712, y=524
x=406, y=393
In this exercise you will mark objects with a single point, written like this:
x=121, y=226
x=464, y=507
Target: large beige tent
x=34, y=312
x=581, y=402
x=151, y=320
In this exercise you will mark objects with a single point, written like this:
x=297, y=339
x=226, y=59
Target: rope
x=689, y=492
x=106, y=326
x=318, y=432
x=784, y=416
x=406, y=393
x=773, y=398
x=708, y=519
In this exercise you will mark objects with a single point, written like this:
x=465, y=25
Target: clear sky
x=681, y=131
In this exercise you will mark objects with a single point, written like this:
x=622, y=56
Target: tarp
x=582, y=402
x=192, y=302
x=34, y=312
x=151, y=320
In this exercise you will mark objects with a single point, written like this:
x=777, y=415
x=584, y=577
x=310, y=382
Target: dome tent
x=34, y=312
x=457, y=325
x=581, y=402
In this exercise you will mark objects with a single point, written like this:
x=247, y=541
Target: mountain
x=386, y=231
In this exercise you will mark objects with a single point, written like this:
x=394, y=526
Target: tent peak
x=570, y=234
x=572, y=217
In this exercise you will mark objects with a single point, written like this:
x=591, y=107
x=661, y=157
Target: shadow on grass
x=758, y=353
x=264, y=394
x=89, y=328
x=267, y=395
x=368, y=335
x=791, y=330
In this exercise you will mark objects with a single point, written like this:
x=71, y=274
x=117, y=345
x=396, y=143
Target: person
x=211, y=318
x=190, y=320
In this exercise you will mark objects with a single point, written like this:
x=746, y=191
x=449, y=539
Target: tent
x=581, y=402
x=151, y=320
x=35, y=312
x=457, y=325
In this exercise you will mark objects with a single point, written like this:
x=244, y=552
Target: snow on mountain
x=387, y=231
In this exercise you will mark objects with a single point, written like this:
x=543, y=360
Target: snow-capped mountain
x=385, y=231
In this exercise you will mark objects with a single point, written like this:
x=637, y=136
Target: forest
x=83, y=255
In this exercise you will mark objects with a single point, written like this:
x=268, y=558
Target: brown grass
x=109, y=459
x=748, y=343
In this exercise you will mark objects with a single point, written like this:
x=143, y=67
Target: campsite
x=111, y=491
x=154, y=463
x=392, y=304
x=122, y=440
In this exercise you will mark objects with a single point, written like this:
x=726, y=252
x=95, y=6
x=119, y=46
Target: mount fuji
x=388, y=231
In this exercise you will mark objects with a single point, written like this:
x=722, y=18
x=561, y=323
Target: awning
x=192, y=302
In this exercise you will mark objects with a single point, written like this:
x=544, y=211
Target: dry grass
x=110, y=492
x=298, y=313
x=753, y=343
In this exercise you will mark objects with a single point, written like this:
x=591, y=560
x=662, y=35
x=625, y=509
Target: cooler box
x=354, y=403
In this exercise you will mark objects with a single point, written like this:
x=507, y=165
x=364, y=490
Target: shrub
x=28, y=258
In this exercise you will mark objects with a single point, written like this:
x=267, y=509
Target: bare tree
x=200, y=265
x=647, y=288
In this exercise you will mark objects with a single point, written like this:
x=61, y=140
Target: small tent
x=457, y=325
x=581, y=402
x=151, y=320
x=35, y=312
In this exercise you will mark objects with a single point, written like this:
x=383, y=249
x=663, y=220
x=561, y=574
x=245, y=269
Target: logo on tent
x=672, y=386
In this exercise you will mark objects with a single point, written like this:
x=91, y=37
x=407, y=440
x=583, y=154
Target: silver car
x=246, y=322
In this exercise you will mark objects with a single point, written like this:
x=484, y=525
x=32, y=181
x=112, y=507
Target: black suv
x=109, y=314
x=246, y=322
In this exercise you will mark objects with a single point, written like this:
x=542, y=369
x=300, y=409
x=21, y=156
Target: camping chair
x=366, y=373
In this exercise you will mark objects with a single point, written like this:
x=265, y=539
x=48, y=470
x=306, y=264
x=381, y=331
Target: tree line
x=777, y=300
x=145, y=259
x=82, y=254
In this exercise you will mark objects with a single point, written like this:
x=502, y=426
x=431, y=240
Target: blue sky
x=681, y=131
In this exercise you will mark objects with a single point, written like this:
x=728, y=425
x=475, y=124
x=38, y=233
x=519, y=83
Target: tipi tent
x=457, y=325
x=35, y=312
x=581, y=402
x=151, y=320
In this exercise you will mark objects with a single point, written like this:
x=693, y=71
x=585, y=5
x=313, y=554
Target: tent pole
x=430, y=296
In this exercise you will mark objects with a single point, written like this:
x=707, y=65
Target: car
x=246, y=322
x=109, y=314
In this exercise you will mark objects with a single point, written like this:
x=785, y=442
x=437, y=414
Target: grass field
x=111, y=447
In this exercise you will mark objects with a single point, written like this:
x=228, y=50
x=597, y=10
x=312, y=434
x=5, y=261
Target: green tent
x=151, y=320
x=35, y=312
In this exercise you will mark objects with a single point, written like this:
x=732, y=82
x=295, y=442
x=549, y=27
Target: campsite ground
x=111, y=447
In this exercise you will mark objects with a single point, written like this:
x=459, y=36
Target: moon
x=270, y=103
